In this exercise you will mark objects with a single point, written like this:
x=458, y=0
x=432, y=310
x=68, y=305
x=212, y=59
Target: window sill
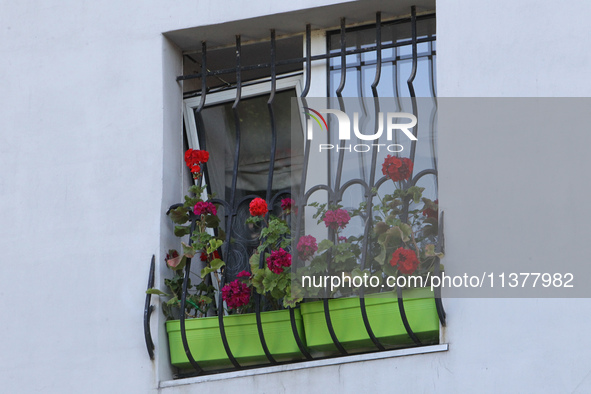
x=307, y=364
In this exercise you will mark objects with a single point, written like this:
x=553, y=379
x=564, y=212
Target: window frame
x=255, y=88
x=319, y=71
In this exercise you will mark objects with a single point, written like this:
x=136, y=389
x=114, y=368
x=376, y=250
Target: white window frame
x=283, y=82
x=319, y=88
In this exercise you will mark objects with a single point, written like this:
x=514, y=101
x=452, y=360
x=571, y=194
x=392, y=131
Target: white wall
x=513, y=49
x=89, y=131
x=89, y=125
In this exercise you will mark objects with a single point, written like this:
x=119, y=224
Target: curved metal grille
x=342, y=59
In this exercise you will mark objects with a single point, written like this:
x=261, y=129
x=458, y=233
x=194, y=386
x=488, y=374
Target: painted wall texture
x=90, y=141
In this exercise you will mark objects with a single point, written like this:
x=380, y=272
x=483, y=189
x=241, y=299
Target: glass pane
x=219, y=137
x=255, y=145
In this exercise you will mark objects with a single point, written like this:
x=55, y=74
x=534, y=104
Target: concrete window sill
x=306, y=364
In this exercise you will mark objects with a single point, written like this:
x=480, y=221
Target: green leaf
x=217, y=264
x=201, y=241
x=212, y=221
x=221, y=234
x=391, y=220
x=166, y=310
x=188, y=251
x=343, y=256
x=197, y=190
x=277, y=293
x=270, y=282
x=190, y=202
x=254, y=220
x=180, y=265
x=173, y=301
x=318, y=264
x=324, y=245
x=415, y=193
x=254, y=262
x=179, y=215
x=276, y=232
x=430, y=204
x=291, y=302
x=389, y=270
x=285, y=243
x=430, y=251
x=214, y=244
x=381, y=227
x=430, y=231
x=381, y=258
x=206, y=271
x=258, y=275
x=393, y=235
x=283, y=282
x=156, y=291
x=181, y=231
x=406, y=231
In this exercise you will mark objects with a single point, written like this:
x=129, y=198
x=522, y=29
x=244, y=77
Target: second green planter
x=384, y=318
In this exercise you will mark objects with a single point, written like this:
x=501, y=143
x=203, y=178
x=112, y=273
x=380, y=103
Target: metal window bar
x=335, y=193
x=342, y=68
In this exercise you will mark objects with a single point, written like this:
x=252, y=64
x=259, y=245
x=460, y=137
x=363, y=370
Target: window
x=218, y=135
x=241, y=111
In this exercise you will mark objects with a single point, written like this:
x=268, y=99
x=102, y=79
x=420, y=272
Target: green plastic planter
x=384, y=318
x=206, y=345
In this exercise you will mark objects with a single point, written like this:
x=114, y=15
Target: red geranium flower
x=200, y=156
x=196, y=157
x=339, y=218
x=236, y=294
x=397, y=169
x=205, y=257
x=258, y=207
x=203, y=208
x=307, y=246
x=278, y=259
x=287, y=204
x=430, y=212
x=405, y=259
